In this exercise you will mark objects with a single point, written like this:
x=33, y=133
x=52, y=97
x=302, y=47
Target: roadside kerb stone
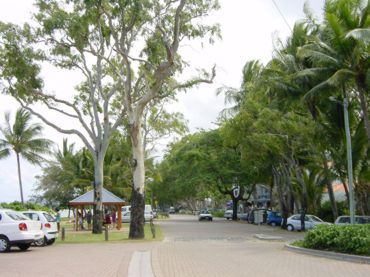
x=267, y=237
x=329, y=254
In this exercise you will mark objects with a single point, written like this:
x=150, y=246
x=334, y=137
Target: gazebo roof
x=88, y=198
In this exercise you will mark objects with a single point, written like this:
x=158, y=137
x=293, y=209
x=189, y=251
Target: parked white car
x=228, y=214
x=17, y=230
x=205, y=215
x=49, y=226
x=126, y=217
x=126, y=213
x=310, y=221
x=346, y=219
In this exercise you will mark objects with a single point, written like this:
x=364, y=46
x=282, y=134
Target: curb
x=329, y=255
x=266, y=237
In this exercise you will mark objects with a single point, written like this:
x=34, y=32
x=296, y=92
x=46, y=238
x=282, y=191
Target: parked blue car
x=273, y=218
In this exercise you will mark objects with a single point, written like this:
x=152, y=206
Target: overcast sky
x=249, y=28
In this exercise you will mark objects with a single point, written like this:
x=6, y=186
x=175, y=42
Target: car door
x=308, y=223
x=296, y=222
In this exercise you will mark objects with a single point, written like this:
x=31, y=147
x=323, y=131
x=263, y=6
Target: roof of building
x=88, y=198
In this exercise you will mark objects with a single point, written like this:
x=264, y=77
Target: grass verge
x=113, y=235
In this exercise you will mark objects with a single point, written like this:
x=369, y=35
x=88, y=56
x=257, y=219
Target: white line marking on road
x=140, y=265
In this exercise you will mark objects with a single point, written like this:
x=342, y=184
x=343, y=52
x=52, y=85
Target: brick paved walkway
x=191, y=249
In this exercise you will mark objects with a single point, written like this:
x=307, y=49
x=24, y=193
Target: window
x=17, y=216
x=344, y=219
x=49, y=218
x=33, y=216
x=0, y=217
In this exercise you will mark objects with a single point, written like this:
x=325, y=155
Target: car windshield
x=204, y=212
x=49, y=218
x=315, y=218
x=17, y=216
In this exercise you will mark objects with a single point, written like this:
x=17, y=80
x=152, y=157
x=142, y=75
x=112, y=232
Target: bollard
x=63, y=233
x=152, y=228
x=106, y=233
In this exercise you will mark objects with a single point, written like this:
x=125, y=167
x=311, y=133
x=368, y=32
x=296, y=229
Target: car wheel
x=50, y=242
x=273, y=224
x=24, y=246
x=40, y=242
x=290, y=227
x=4, y=244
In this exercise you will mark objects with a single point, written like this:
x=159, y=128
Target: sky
x=249, y=29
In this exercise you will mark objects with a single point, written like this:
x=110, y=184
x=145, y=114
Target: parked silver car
x=359, y=219
x=310, y=221
x=205, y=215
x=228, y=214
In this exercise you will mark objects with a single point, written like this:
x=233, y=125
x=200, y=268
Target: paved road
x=190, y=249
x=222, y=248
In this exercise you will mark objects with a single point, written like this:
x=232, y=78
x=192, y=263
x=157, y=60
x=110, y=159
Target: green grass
x=298, y=243
x=72, y=236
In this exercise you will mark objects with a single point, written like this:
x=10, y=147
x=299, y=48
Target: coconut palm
x=251, y=74
x=340, y=54
x=23, y=138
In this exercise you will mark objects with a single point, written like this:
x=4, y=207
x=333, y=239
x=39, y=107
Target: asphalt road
x=190, y=249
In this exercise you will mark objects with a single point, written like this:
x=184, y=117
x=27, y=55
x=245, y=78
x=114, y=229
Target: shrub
x=18, y=206
x=351, y=239
x=218, y=213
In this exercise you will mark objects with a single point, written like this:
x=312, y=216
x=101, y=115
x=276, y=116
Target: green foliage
x=201, y=165
x=71, y=172
x=325, y=210
x=19, y=67
x=18, y=206
x=218, y=213
x=351, y=239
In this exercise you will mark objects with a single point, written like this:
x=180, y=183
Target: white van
x=126, y=213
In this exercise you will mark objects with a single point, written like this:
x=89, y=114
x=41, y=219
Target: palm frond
x=360, y=34
x=5, y=152
x=340, y=77
x=316, y=56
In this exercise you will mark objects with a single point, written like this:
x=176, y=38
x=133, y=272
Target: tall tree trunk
x=329, y=187
x=20, y=177
x=137, y=199
x=281, y=193
x=98, y=191
x=346, y=190
x=304, y=198
x=235, y=208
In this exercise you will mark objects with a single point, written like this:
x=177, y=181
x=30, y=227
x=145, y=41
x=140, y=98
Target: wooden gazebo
x=108, y=199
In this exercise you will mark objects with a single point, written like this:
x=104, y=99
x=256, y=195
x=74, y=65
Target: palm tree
x=340, y=54
x=251, y=74
x=23, y=139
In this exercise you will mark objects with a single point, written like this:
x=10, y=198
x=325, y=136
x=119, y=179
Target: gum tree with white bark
x=129, y=53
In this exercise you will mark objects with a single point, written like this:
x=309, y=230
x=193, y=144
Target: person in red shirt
x=107, y=220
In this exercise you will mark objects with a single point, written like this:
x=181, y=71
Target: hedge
x=350, y=239
x=18, y=206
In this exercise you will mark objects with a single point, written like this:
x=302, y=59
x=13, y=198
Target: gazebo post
x=76, y=218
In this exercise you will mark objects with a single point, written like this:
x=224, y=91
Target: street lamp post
x=349, y=162
x=349, y=157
